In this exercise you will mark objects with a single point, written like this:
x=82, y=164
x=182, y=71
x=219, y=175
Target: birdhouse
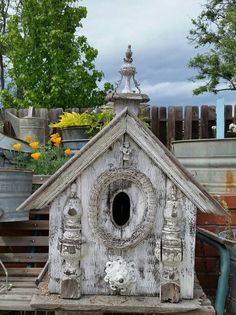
x=123, y=218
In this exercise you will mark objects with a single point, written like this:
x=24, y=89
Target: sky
x=157, y=32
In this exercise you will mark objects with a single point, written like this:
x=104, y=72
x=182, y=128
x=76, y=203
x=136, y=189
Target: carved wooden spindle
x=171, y=251
x=70, y=247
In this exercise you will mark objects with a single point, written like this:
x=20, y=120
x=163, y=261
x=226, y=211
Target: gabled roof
x=127, y=123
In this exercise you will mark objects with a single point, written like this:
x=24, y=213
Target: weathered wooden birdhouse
x=122, y=217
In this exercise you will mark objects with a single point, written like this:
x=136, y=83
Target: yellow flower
x=67, y=151
x=57, y=141
x=36, y=155
x=34, y=145
x=16, y=146
x=54, y=136
x=28, y=138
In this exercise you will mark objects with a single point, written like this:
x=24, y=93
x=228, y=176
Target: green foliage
x=215, y=30
x=73, y=119
x=94, y=120
x=51, y=65
x=51, y=159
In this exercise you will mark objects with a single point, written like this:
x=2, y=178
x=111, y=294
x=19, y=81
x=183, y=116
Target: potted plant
x=16, y=179
x=15, y=182
x=78, y=128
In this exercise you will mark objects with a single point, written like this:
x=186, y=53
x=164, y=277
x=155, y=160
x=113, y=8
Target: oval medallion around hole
x=121, y=209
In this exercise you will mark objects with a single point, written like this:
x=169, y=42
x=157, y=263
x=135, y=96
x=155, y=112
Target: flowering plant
x=45, y=159
x=232, y=128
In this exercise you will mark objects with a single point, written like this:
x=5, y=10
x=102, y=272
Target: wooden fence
x=167, y=123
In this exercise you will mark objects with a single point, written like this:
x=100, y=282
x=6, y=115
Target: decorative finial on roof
x=128, y=72
x=128, y=55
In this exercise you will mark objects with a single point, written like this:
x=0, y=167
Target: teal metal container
x=15, y=187
x=211, y=161
x=231, y=244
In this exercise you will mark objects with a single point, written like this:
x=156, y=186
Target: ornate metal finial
x=127, y=72
x=128, y=55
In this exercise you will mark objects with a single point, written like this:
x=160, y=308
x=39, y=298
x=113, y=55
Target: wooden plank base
x=120, y=304
x=18, y=298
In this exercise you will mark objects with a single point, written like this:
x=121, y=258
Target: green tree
x=7, y=7
x=215, y=30
x=52, y=66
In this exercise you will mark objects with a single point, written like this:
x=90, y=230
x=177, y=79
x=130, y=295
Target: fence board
x=162, y=124
x=155, y=122
x=204, y=122
x=167, y=123
x=211, y=120
x=188, y=122
x=228, y=117
x=170, y=126
x=178, y=123
x=42, y=113
x=54, y=113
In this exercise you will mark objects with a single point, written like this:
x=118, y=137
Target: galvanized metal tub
x=211, y=161
x=15, y=187
x=231, y=244
x=75, y=138
x=71, y=133
x=7, y=154
x=75, y=144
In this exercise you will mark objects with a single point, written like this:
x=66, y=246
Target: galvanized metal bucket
x=7, y=155
x=74, y=138
x=35, y=127
x=15, y=187
x=79, y=132
x=211, y=161
x=231, y=244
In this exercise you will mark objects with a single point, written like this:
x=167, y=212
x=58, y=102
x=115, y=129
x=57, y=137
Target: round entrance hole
x=121, y=209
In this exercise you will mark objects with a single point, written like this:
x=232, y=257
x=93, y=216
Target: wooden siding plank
x=43, y=211
x=19, y=279
x=33, y=225
x=23, y=257
x=24, y=241
x=23, y=272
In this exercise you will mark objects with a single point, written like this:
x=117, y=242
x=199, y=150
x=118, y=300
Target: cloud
x=157, y=31
x=169, y=89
